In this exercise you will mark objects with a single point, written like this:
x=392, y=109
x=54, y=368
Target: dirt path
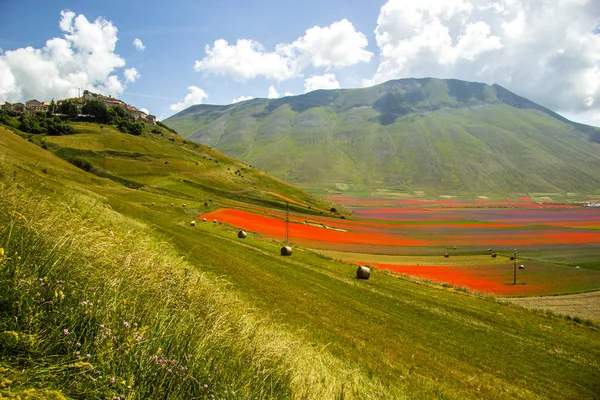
x=583, y=305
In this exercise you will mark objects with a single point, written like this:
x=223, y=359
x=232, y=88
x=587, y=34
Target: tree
x=135, y=128
x=96, y=109
x=51, y=109
x=117, y=115
x=31, y=125
x=69, y=108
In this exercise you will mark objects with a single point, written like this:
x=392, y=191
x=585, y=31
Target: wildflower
x=126, y=324
x=77, y=353
x=135, y=324
x=69, y=343
x=112, y=380
x=78, y=344
x=169, y=370
x=65, y=332
x=88, y=355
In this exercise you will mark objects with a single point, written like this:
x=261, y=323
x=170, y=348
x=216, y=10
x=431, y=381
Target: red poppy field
x=415, y=227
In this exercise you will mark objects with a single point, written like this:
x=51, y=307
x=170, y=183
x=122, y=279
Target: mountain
x=431, y=135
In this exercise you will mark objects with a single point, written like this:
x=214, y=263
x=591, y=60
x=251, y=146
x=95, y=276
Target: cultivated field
x=586, y=305
x=465, y=243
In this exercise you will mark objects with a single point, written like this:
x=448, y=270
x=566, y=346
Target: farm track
x=583, y=305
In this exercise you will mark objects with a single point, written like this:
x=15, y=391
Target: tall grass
x=93, y=305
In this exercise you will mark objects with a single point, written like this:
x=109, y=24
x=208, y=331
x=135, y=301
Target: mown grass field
x=256, y=324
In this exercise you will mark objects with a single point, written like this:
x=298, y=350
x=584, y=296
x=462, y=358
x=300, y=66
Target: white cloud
x=336, y=46
x=145, y=110
x=544, y=50
x=83, y=58
x=245, y=60
x=131, y=74
x=138, y=44
x=195, y=96
x=326, y=81
x=241, y=98
x=273, y=93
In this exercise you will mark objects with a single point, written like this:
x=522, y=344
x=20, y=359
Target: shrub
x=81, y=163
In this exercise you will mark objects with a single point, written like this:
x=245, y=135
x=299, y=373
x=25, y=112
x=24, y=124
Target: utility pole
x=515, y=266
x=287, y=222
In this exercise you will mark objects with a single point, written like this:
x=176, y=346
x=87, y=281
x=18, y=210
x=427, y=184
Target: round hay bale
x=214, y=221
x=446, y=255
x=203, y=219
x=183, y=205
x=363, y=272
x=521, y=266
x=512, y=258
x=493, y=255
x=286, y=251
x=193, y=223
x=153, y=204
x=242, y=235
x=172, y=204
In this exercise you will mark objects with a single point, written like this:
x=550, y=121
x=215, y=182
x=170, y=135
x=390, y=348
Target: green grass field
x=238, y=317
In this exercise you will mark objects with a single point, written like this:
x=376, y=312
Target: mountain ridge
x=368, y=138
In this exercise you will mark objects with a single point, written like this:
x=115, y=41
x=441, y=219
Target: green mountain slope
x=432, y=135
x=164, y=164
x=243, y=321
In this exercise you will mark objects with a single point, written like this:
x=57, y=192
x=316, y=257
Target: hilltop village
x=35, y=106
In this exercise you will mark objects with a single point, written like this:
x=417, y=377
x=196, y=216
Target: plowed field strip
x=584, y=305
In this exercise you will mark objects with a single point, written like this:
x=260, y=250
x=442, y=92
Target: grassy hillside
x=411, y=135
x=238, y=317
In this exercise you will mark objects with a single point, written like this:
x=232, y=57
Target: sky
x=163, y=57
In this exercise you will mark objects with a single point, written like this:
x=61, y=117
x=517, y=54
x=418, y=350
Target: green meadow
x=107, y=290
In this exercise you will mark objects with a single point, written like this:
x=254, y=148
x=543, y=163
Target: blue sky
x=215, y=52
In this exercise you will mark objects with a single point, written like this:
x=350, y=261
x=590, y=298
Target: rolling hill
x=410, y=135
x=107, y=291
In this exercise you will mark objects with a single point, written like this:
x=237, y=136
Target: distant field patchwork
x=412, y=237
